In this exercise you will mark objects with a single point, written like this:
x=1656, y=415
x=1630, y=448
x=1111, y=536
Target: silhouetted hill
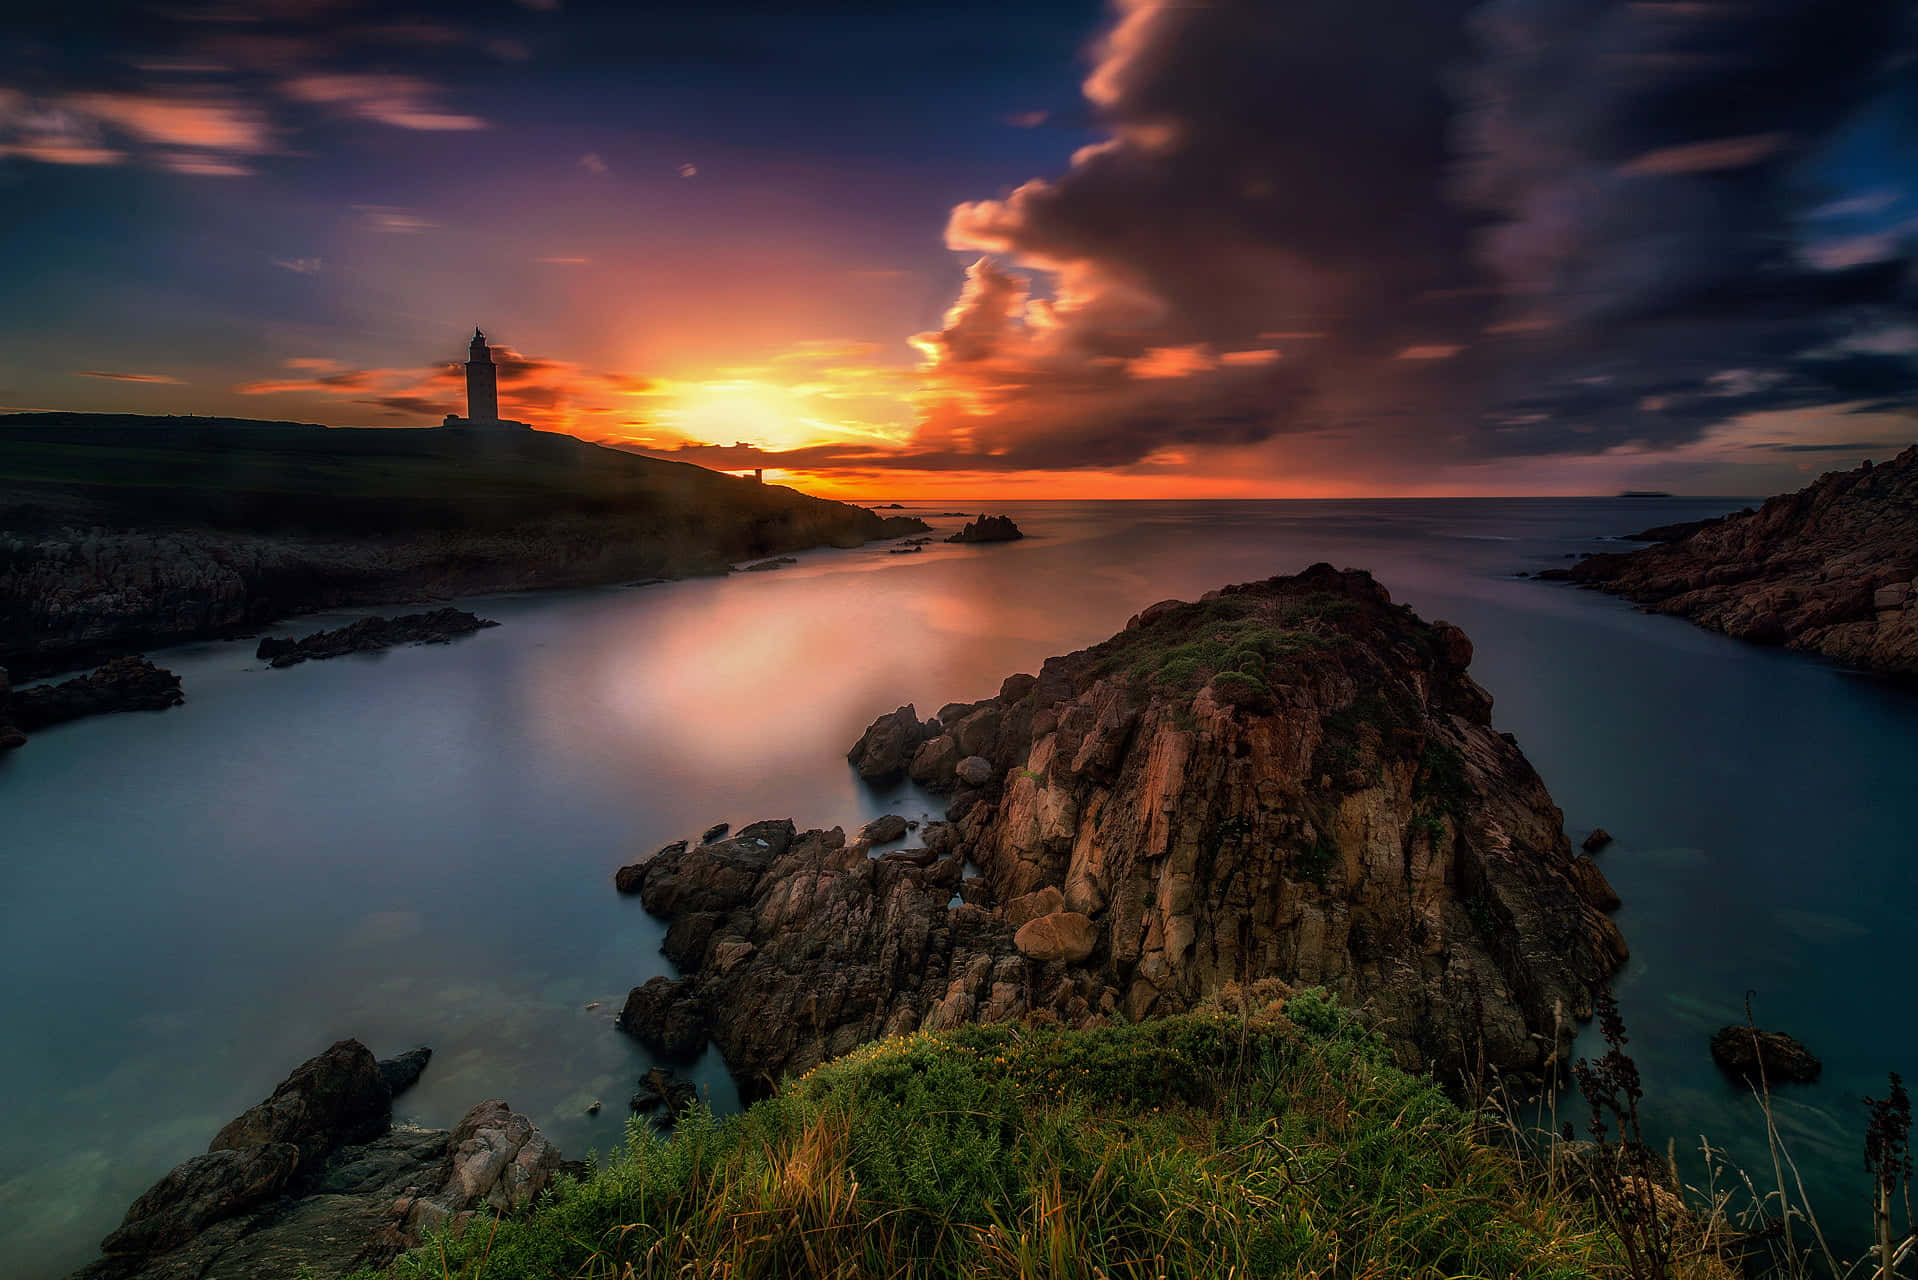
x=118, y=532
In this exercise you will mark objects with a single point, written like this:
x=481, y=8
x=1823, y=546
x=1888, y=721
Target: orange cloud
x=1707, y=157
x=400, y=101
x=130, y=377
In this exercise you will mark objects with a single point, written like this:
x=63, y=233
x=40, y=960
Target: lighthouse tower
x=482, y=381
x=482, y=389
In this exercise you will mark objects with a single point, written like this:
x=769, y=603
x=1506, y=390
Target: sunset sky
x=1252, y=248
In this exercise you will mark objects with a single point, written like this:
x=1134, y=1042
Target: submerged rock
x=125, y=684
x=664, y=1092
x=369, y=634
x=988, y=529
x=1772, y=1055
x=1831, y=569
x=1294, y=779
x=314, y=1181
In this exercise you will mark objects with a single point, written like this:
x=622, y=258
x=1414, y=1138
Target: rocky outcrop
x=125, y=684
x=889, y=744
x=1831, y=569
x=438, y=626
x=988, y=529
x=1292, y=779
x=317, y=1181
x=1770, y=1057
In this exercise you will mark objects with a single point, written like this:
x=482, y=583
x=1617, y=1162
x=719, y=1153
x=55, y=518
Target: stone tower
x=482, y=381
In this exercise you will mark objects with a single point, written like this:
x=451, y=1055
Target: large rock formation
x=1292, y=779
x=437, y=626
x=1832, y=569
x=317, y=1181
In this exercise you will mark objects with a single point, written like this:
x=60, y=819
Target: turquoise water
x=416, y=846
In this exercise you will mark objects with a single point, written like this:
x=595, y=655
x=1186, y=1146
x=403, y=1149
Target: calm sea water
x=416, y=846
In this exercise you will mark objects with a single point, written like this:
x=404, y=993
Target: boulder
x=403, y=1072
x=496, y=1160
x=1777, y=1057
x=329, y=1101
x=711, y=877
x=1599, y=838
x=661, y=1088
x=889, y=744
x=715, y=831
x=1030, y=906
x=666, y=1017
x=935, y=760
x=884, y=830
x=1064, y=935
x=974, y=771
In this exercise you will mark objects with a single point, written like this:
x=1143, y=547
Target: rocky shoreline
x=126, y=684
x=317, y=1180
x=1289, y=782
x=1831, y=569
x=368, y=635
x=160, y=534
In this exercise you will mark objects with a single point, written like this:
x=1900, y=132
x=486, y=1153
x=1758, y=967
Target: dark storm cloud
x=1523, y=227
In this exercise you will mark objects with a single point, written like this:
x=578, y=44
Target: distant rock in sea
x=989, y=529
x=370, y=634
x=316, y=1180
x=1771, y=1055
x=125, y=684
x=1830, y=569
x=1292, y=780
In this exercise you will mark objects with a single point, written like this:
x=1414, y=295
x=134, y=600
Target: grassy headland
x=119, y=531
x=1209, y=1144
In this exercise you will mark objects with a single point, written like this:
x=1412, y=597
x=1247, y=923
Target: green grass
x=1238, y=644
x=1205, y=1145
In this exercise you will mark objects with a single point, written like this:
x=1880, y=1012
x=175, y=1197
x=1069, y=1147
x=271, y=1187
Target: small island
x=989, y=529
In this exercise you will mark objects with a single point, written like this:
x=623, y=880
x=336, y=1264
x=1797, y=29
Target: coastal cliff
x=1291, y=782
x=119, y=535
x=1830, y=569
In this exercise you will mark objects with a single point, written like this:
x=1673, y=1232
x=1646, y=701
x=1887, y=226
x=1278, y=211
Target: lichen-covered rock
x=1293, y=779
x=1831, y=569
